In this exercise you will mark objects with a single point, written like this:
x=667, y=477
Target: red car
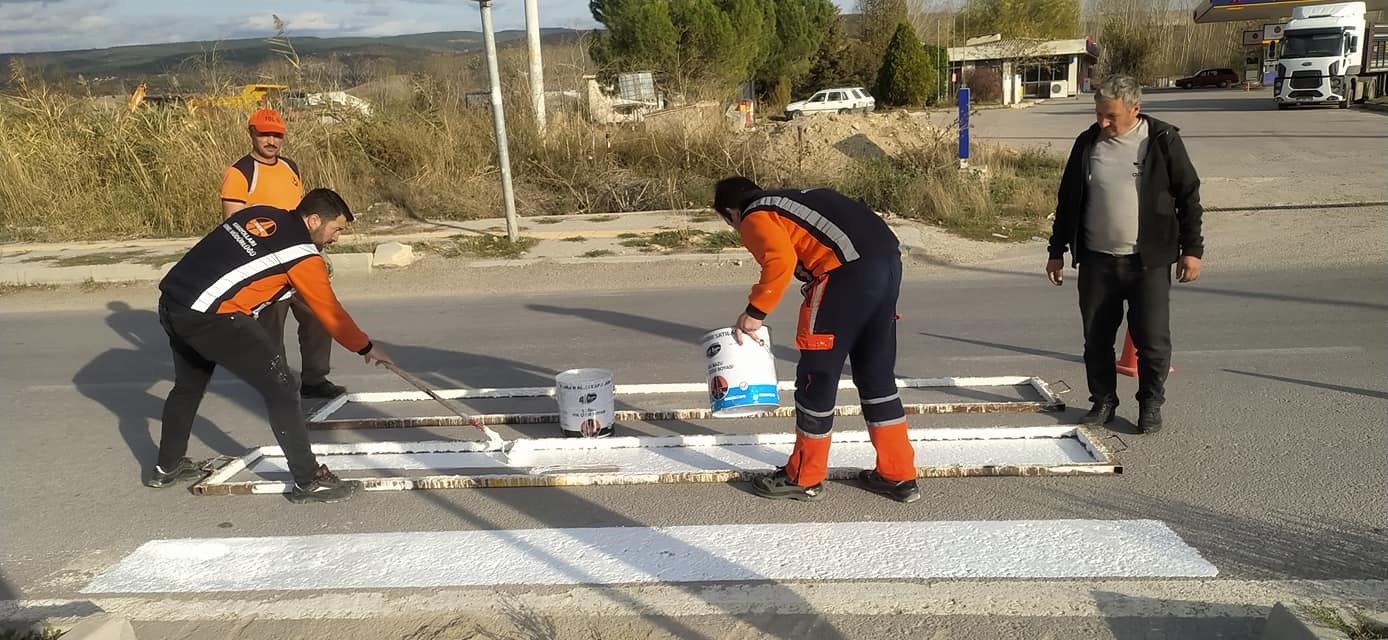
x=1221, y=78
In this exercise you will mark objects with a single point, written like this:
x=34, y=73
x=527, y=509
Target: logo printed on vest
x=261, y=227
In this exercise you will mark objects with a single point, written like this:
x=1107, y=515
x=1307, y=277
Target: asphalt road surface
x=1272, y=467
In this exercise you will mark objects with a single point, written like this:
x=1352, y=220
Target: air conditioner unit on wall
x=1058, y=89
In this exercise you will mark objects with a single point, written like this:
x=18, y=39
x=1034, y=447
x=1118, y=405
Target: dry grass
x=45, y=633
x=1353, y=624
x=480, y=247
x=9, y=288
x=681, y=241
x=1009, y=194
x=72, y=169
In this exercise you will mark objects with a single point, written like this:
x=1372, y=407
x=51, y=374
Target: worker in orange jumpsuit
x=851, y=263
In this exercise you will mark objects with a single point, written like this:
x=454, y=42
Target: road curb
x=24, y=275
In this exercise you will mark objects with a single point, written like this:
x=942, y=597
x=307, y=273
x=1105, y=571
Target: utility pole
x=537, y=70
x=503, y=155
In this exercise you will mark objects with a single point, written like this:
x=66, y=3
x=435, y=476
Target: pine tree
x=907, y=75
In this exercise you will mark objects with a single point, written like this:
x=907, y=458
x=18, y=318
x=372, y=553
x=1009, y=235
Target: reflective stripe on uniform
x=224, y=284
x=810, y=412
x=816, y=298
x=882, y=400
x=886, y=423
x=812, y=218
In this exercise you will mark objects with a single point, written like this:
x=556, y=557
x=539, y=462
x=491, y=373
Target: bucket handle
x=755, y=338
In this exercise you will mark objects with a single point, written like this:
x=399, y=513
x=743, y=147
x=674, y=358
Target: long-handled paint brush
x=495, y=443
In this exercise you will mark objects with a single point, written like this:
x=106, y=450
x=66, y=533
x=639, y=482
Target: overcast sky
x=56, y=25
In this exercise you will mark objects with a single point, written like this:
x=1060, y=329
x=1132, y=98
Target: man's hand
x=748, y=325
x=1054, y=269
x=1188, y=269
x=378, y=356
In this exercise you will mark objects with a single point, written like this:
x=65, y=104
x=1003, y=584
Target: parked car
x=1210, y=78
x=836, y=100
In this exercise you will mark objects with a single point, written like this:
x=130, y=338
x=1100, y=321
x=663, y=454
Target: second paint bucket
x=585, y=402
x=741, y=377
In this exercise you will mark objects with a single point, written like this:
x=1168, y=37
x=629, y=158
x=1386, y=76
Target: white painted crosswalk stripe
x=632, y=555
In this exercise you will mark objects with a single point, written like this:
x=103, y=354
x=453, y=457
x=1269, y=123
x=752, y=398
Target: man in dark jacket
x=1127, y=209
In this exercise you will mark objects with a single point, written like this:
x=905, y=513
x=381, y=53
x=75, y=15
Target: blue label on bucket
x=751, y=395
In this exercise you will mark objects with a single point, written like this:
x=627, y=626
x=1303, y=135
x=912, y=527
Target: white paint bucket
x=741, y=377
x=585, y=402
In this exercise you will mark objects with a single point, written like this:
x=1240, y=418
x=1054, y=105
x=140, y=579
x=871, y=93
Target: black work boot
x=904, y=491
x=325, y=487
x=779, y=486
x=1101, y=413
x=324, y=390
x=184, y=470
x=1149, y=419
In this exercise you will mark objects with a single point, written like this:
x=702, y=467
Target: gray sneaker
x=325, y=487
x=779, y=486
x=184, y=470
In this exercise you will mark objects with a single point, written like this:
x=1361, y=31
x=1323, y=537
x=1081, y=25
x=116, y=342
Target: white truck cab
x=1330, y=54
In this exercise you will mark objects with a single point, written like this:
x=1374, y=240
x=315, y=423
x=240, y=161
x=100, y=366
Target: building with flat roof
x=1029, y=69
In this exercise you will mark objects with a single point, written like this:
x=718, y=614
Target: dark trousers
x=315, y=345
x=203, y=341
x=850, y=314
x=1105, y=283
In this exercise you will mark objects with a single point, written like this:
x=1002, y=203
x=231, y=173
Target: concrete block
x=1291, y=622
x=349, y=264
x=103, y=626
x=393, y=254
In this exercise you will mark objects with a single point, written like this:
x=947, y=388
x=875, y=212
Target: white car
x=838, y=100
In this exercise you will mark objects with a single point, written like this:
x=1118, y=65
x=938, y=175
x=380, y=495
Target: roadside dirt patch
x=825, y=146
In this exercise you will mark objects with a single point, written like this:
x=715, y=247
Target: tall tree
x=830, y=66
x=800, y=27
x=880, y=20
x=639, y=34
x=907, y=76
x=706, y=40
x=1023, y=19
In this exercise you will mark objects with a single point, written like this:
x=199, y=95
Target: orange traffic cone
x=1127, y=363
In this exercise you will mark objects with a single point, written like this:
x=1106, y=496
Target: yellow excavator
x=252, y=97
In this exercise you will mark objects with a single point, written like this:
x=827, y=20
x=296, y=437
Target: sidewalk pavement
x=587, y=238
x=605, y=237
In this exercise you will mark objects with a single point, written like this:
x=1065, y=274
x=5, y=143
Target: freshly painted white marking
x=626, y=555
x=328, y=409
x=667, y=388
x=690, y=454
x=1273, y=351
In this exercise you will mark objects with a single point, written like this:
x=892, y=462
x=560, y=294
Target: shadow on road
x=1123, y=615
x=120, y=380
x=1271, y=547
x=1045, y=353
x=1357, y=391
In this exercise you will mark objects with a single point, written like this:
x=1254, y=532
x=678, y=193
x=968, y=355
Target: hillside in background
x=140, y=63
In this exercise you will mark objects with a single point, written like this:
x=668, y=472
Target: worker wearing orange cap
x=264, y=177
